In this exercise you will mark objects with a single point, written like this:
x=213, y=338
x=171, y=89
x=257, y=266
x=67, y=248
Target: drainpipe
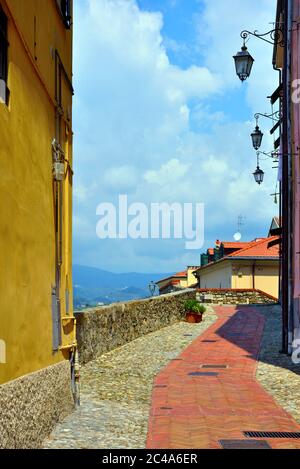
x=253, y=275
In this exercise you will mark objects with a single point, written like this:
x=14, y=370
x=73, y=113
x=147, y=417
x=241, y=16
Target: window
x=3, y=58
x=65, y=10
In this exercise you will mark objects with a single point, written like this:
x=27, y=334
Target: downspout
x=58, y=159
x=59, y=192
x=253, y=275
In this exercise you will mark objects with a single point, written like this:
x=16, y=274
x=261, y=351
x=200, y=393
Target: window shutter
x=3, y=46
x=56, y=321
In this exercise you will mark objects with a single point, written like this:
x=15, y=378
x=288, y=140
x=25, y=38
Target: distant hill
x=93, y=286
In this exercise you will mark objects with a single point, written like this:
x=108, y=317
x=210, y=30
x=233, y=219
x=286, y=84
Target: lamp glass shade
x=243, y=63
x=257, y=137
x=258, y=175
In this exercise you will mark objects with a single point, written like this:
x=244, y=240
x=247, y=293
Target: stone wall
x=108, y=327
x=234, y=296
x=102, y=329
x=33, y=404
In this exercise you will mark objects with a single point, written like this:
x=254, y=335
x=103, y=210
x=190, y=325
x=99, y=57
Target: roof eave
x=169, y=278
x=259, y=258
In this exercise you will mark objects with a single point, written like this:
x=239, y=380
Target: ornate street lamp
x=257, y=135
x=243, y=61
x=152, y=287
x=258, y=173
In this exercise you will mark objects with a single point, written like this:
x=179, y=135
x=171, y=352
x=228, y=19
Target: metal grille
x=292, y=435
x=204, y=373
x=244, y=444
x=214, y=366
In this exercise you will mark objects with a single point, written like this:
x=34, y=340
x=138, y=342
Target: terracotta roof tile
x=237, y=244
x=258, y=249
x=182, y=274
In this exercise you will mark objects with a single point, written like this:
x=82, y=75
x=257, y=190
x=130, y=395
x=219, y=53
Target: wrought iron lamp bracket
x=277, y=115
x=276, y=36
x=275, y=154
x=270, y=154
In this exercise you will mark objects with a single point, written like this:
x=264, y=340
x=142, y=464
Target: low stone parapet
x=105, y=328
x=234, y=296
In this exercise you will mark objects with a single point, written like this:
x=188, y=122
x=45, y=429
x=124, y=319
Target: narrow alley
x=196, y=382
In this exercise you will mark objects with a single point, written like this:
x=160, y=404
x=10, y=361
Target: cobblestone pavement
x=276, y=372
x=116, y=390
x=210, y=393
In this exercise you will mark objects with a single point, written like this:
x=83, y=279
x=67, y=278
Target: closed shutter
x=56, y=321
x=3, y=46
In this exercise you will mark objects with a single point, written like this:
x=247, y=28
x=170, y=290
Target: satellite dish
x=237, y=236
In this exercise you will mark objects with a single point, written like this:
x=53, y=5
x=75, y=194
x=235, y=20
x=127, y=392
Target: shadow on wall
x=259, y=319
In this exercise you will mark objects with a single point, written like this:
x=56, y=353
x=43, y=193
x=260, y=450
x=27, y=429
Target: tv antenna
x=241, y=222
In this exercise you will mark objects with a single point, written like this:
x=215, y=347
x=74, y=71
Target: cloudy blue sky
x=160, y=115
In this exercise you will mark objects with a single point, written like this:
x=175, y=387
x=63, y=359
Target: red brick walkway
x=191, y=411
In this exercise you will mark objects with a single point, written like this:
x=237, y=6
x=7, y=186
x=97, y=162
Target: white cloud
x=220, y=26
x=169, y=173
x=135, y=124
x=121, y=178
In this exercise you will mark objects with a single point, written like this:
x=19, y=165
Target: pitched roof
x=236, y=244
x=168, y=284
x=258, y=249
x=182, y=274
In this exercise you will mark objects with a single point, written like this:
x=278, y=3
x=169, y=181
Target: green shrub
x=194, y=306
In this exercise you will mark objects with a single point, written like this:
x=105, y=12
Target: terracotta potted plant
x=193, y=311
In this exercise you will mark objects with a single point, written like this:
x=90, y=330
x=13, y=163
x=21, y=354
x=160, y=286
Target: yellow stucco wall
x=266, y=276
x=27, y=233
x=216, y=276
x=191, y=279
x=239, y=274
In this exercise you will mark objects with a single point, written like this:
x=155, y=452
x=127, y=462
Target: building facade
x=253, y=267
x=286, y=62
x=37, y=326
x=178, y=281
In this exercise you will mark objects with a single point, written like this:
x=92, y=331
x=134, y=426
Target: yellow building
x=178, y=281
x=37, y=327
x=254, y=267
